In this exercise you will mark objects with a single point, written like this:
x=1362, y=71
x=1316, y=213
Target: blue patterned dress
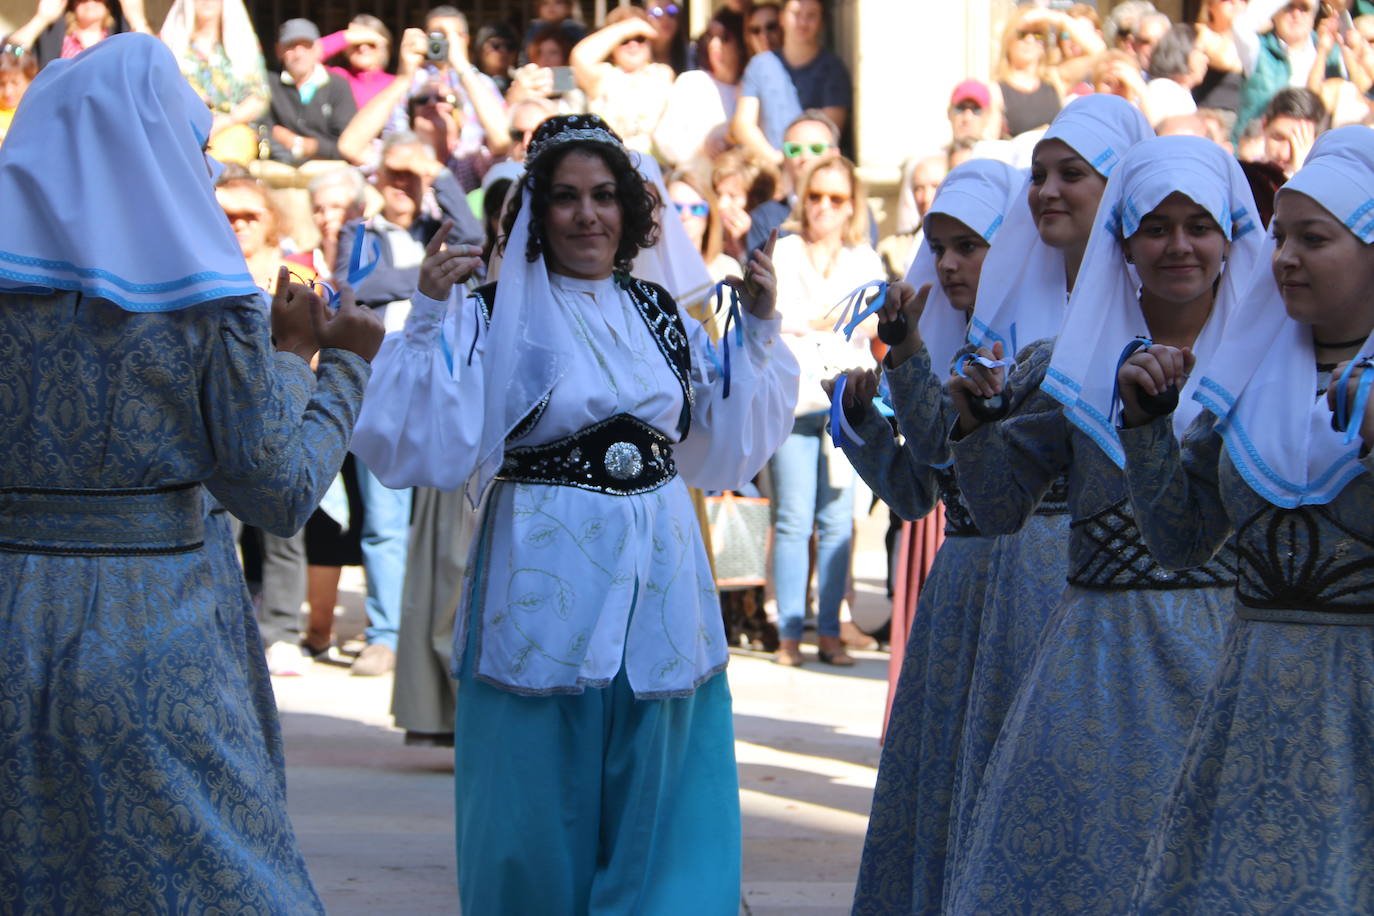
x=1092, y=740
x=922, y=768
x=1273, y=810
x=141, y=756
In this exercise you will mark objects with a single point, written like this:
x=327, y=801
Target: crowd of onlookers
x=387, y=136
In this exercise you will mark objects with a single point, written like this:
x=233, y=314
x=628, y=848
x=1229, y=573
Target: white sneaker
x=285, y=659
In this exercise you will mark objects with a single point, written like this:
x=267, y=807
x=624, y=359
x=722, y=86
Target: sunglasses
x=793, y=150
x=433, y=98
x=246, y=216
x=698, y=208
x=835, y=200
x=766, y=27
x=16, y=50
x=668, y=9
x=1041, y=37
x=500, y=44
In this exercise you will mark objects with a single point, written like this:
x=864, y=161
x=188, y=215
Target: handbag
x=740, y=530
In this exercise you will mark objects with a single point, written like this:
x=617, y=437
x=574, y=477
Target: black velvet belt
x=620, y=456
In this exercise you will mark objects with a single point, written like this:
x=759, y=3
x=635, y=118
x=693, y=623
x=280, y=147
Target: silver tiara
x=573, y=134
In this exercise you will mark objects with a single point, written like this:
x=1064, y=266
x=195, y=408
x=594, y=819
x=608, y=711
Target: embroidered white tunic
x=568, y=584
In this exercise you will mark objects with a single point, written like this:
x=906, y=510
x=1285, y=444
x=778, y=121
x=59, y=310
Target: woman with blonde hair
x=696, y=206
x=257, y=225
x=1033, y=72
x=221, y=58
x=827, y=257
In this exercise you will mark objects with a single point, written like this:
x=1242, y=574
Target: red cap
x=971, y=90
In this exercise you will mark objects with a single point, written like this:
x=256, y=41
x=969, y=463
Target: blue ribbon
x=732, y=320
x=853, y=306
x=357, y=270
x=883, y=402
x=1352, y=420
x=1140, y=343
x=838, y=423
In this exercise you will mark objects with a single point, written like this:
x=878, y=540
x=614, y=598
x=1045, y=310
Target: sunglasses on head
x=835, y=200
x=668, y=9
x=793, y=150
x=698, y=208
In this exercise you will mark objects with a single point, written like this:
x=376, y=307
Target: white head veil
x=1021, y=295
x=978, y=193
x=1104, y=312
x=1262, y=387
x=108, y=190
x=236, y=31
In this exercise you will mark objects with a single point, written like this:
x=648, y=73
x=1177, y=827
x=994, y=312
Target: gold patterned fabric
x=141, y=766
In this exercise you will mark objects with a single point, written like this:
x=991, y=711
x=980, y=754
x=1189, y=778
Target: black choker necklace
x=1338, y=345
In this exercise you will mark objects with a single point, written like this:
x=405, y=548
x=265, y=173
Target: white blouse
x=568, y=584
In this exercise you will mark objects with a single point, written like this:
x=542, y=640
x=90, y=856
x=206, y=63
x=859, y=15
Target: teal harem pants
x=596, y=803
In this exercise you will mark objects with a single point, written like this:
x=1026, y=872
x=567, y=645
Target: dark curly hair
x=639, y=200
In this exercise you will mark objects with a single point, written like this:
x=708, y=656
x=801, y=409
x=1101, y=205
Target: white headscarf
x=1263, y=386
x=674, y=263
x=1021, y=295
x=1104, y=312
x=237, y=35
x=107, y=189
x=978, y=193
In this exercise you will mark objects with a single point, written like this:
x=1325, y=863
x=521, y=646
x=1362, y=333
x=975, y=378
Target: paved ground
x=375, y=818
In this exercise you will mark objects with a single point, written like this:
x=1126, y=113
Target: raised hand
x=976, y=382
x=759, y=288
x=443, y=267
x=293, y=321
x=1351, y=389
x=352, y=327
x=860, y=388
x=904, y=304
x=1151, y=372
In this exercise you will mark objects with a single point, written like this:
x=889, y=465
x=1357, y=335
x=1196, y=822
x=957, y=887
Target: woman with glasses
x=366, y=45
x=697, y=209
x=1033, y=73
x=763, y=28
x=615, y=66
x=670, y=37
x=695, y=127
x=497, y=47
x=827, y=257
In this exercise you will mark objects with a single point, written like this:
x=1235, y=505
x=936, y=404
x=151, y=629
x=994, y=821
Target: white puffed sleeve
x=732, y=438
x=422, y=413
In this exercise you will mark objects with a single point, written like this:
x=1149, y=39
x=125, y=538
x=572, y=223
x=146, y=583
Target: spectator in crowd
x=1030, y=84
x=550, y=47
x=740, y=185
x=695, y=127
x=970, y=112
x=1177, y=66
x=1186, y=125
x=257, y=225
x=525, y=118
x=1346, y=96
x=1293, y=120
x=549, y=53
x=1117, y=73
x=554, y=14
x=812, y=483
x=398, y=233
x=478, y=108
x=810, y=136
x=1135, y=27
x=697, y=209
x=1278, y=48
x=498, y=47
x=221, y=58
x=18, y=67
x=337, y=197
x=310, y=106
x=366, y=45
x=625, y=86
x=779, y=85
x=1220, y=86
x=921, y=176
x=65, y=28
x=763, y=27
x=669, y=43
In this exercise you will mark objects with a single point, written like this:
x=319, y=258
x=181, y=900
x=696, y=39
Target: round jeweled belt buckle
x=623, y=461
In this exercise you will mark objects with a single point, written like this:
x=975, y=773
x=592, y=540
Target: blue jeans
x=803, y=497
x=386, y=538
